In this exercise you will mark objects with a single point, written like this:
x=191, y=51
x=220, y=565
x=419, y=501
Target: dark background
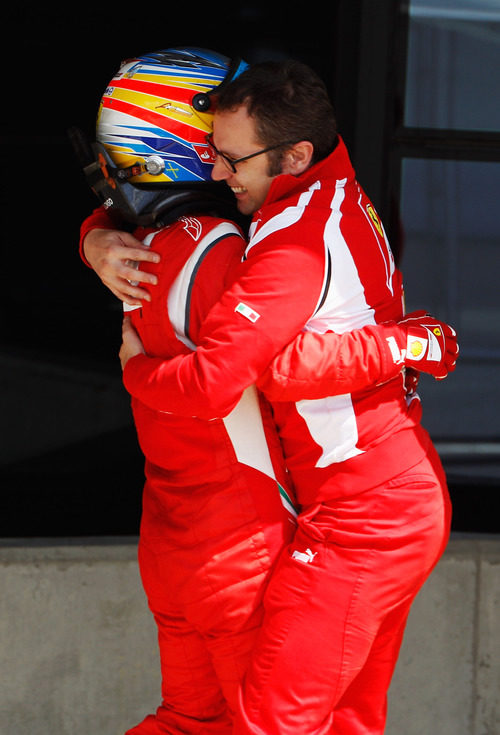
x=57, y=62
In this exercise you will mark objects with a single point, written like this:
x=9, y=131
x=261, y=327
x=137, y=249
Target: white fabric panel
x=246, y=431
x=178, y=296
x=332, y=424
x=281, y=221
x=345, y=307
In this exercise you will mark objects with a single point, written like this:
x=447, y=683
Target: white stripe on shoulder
x=343, y=304
x=289, y=216
x=178, y=302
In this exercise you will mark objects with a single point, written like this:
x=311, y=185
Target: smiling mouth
x=238, y=189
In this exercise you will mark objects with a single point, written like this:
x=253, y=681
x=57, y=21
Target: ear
x=297, y=158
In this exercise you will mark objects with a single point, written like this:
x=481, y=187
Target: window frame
x=381, y=143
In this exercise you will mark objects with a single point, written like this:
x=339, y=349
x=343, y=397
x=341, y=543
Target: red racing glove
x=428, y=345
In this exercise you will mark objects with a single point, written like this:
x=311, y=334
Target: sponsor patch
x=204, y=153
x=416, y=347
x=434, y=352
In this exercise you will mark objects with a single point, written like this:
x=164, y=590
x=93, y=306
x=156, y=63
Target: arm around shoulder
x=115, y=256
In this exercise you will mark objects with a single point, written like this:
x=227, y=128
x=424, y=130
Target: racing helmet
x=151, y=153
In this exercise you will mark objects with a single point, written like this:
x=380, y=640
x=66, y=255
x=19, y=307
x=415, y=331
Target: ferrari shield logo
x=374, y=218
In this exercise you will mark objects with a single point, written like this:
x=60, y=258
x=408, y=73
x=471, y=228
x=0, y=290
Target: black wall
x=56, y=63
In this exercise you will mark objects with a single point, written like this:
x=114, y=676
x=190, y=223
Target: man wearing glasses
x=375, y=513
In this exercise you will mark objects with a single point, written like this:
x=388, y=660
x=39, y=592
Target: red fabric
x=233, y=351
x=212, y=524
x=315, y=365
x=336, y=608
x=317, y=258
x=375, y=515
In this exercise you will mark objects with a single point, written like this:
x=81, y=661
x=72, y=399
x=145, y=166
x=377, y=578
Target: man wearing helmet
x=215, y=506
x=191, y=541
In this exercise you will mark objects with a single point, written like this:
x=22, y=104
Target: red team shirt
x=317, y=259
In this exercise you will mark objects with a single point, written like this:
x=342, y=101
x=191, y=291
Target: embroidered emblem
x=192, y=226
x=307, y=557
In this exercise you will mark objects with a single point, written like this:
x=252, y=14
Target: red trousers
x=205, y=553
x=337, y=605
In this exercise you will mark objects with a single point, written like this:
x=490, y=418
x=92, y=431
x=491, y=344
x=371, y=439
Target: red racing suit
x=215, y=510
x=375, y=511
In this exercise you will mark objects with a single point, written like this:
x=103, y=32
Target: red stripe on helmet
x=183, y=130
x=165, y=91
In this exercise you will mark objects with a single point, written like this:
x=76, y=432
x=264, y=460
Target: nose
x=219, y=171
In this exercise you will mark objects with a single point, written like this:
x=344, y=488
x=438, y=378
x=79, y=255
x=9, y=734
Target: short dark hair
x=288, y=101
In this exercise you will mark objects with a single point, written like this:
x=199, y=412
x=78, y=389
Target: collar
x=330, y=169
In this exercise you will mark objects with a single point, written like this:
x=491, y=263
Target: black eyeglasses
x=230, y=163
